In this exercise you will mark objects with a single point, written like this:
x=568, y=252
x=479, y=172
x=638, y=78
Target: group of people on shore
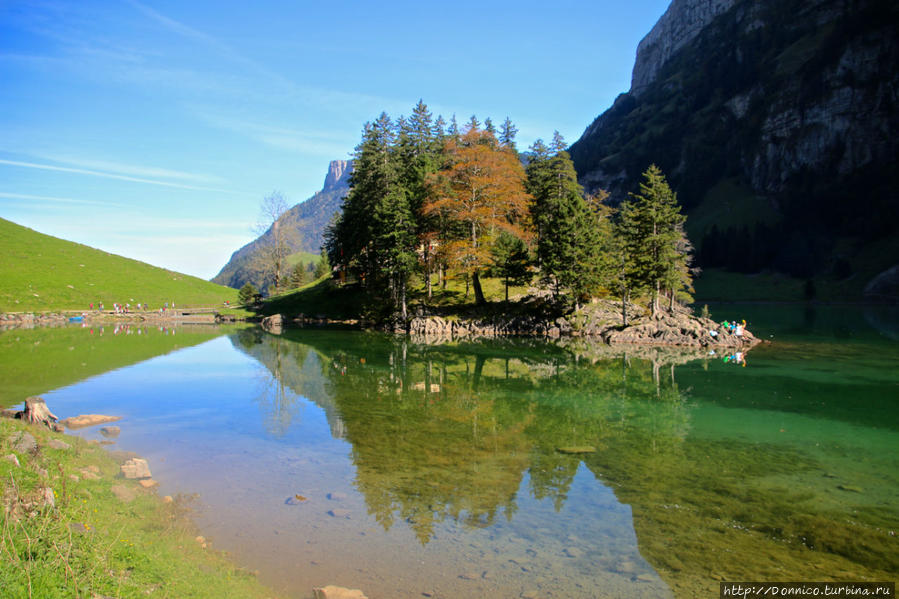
x=126, y=308
x=732, y=328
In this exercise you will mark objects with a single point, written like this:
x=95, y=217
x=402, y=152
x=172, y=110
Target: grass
x=40, y=273
x=93, y=544
x=76, y=353
x=324, y=297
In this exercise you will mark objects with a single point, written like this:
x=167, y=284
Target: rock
x=294, y=500
x=573, y=552
x=110, y=431
x=93, y=469
x=338, y=513
x=334, y=592
x=85, y=420
x=12, y=458
x=79, y=528
x=850, y=488
x=273, y=324
x=167, y=499
x=136, y=468
x=74, y=477
x=529, y=594
x=57, y=444
x=646, y=577
x=148, y=483
x=577, y=449
x=22, y=442
x=87, y=475
x=200, y=540
x=42, y=473
x=470, y=575
x=126, y=494
x=336, y=496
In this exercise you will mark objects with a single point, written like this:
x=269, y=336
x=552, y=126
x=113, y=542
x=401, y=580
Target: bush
x=247, y=294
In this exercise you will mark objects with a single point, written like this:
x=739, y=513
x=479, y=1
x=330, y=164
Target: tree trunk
x=671, y=302
x=37, y=412
x=655, y=300
x=478, y=292
x=507, y=290
x=624, y=308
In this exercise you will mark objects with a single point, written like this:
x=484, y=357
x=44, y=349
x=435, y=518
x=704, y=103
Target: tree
x=323, y=266
x=480, y=192
x=277, y=240
x=507, y=134
x=568, y=229
x=298, y=275
x=247, y=294
x=653, y=238
x=511, y=261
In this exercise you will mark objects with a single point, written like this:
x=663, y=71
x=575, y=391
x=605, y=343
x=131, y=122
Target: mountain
x=42, y=273
x=308, y=218
x=776, y=122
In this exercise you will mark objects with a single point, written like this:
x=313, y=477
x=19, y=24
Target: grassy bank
x=41, y=273
x=103, y=536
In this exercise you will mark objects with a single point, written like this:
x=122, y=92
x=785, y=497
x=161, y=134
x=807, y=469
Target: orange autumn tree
x=478, y=194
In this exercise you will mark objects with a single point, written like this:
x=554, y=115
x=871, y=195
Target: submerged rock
x=577, y=449
x=110, y=431
x=335, y=592
x=86, y=420
x=136, y=468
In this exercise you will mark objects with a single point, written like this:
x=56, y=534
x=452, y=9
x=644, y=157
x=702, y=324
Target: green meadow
x=40, y=273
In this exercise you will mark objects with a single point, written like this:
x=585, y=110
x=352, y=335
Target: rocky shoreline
x=600, y=320
x=28, y=320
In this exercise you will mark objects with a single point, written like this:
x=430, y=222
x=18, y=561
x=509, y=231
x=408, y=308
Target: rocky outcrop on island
x=601, y=319
x=776, y=123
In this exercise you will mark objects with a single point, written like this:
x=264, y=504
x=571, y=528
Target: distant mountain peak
x=309, y=218
x=338, y=174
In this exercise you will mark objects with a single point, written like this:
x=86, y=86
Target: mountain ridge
x=309, y=218
x=776, y=122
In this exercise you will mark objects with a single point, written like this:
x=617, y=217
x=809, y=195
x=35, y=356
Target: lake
x=509, y=467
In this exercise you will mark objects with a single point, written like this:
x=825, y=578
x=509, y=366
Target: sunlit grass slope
x=43, y=273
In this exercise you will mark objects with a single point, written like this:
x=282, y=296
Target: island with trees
x=434, y=204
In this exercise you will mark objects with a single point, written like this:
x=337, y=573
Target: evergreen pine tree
x=511, y=261
x=568, y=230
x=653, y=237
x=507, y=134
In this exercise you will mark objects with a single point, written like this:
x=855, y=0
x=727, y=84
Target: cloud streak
x=55, y=200
x=108, y=175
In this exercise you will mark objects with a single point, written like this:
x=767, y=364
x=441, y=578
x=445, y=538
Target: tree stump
x=37, y=412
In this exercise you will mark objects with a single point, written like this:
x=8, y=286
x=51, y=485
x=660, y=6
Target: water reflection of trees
x=449, y=431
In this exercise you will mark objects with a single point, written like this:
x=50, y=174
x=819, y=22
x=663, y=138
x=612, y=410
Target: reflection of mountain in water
x=450, y=431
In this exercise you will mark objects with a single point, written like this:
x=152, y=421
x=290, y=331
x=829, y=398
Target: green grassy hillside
x=42, y=273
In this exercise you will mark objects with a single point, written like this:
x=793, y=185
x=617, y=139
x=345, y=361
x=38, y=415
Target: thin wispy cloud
x=107, y=175
x=133, y=170
x=39, y=199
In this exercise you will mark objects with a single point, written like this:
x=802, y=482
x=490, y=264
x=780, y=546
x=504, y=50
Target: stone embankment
x=28, y=320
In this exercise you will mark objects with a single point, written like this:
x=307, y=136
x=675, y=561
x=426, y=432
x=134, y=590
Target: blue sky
x=154, y=129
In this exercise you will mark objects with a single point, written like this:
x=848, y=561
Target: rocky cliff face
x=309, y=219
x=682, y=22
x=775, y=120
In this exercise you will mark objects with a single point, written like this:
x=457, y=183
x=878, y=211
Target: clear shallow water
x=435, y=468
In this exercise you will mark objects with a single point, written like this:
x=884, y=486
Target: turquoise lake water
x=521, y=468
